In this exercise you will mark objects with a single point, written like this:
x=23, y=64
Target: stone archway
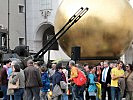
x=47, y=35
x=43, y=34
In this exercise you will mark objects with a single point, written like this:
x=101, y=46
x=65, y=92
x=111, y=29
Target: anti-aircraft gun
x=21, y=53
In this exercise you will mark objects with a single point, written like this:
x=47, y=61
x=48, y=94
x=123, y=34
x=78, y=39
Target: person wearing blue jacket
x=45, y=83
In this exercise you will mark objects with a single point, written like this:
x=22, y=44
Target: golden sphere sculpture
x=105, y=30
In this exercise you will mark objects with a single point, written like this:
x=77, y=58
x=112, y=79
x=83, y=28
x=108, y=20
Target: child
x=45, y=82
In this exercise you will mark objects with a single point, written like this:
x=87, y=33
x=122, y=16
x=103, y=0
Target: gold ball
x=105, y=30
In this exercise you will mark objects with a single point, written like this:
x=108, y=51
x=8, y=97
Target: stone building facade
x=40, y=24
x=12, y=18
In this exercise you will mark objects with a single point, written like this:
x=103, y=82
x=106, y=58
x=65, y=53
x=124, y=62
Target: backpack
x=81, y=79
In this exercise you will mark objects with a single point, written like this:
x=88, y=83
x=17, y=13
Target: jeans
x=32, y=92
x=4, y=90
x=18, y=94
x=77, y=92
x=11, y=97
x=115, y=93
x=64, y=96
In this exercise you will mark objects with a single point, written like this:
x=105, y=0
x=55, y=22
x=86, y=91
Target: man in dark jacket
x=4, y=79
x=106, y=81
x=32, y=81
x=4, y=82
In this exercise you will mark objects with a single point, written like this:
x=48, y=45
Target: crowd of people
x=105, y=81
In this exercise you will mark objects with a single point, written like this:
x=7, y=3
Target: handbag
x=13, y=86
x=56, y=91
x=63, y=84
